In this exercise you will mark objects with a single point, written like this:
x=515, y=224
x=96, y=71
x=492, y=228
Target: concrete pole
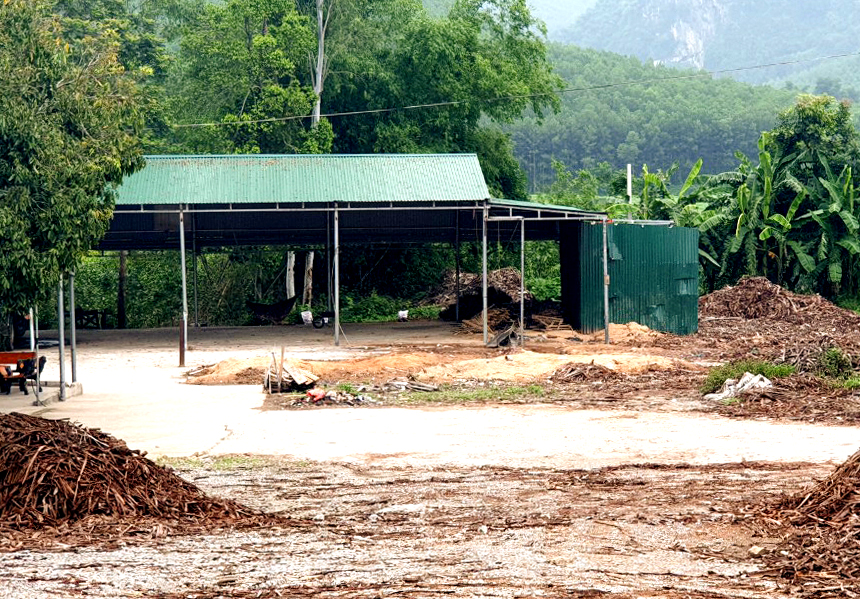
x=184, y=323
x=32, y=332
x=484, y=274
x=605, y=285
x=336, y=276
x=61, y=329
x=72, y=327
x=629, y=190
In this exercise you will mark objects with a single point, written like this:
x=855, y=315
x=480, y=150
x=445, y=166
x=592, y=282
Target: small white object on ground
x=403, y=315
x=732, y=388
x=307, y=317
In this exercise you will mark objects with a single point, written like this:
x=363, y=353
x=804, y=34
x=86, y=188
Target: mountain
x=557, y=14
x=728, y=34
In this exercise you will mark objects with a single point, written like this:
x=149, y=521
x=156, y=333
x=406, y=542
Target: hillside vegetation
x=655, y=122
x=727, y=34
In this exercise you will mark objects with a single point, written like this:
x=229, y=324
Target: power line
x=696, y=75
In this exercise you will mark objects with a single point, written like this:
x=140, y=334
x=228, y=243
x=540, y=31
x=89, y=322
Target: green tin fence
x=653, y=271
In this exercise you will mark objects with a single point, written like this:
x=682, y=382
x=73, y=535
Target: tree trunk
x=308, y=292
x=120, y=291
x=320, y=67
x=291, y=275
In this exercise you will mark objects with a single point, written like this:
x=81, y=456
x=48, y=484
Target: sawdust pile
x=822, y=548
x=631, y=333
x=380, y=368
x=54, y=473
x=528, y=366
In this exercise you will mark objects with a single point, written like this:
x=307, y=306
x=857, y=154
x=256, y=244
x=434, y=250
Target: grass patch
x=735, y=370
x=451, y=394
x=225, y=462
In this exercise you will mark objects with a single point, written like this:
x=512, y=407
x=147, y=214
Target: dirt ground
x=619, y=487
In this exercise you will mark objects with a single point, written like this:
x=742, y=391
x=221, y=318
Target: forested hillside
x=726, y=34
x=655, y=122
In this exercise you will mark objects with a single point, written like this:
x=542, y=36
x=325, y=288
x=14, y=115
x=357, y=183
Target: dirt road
x=493, y=500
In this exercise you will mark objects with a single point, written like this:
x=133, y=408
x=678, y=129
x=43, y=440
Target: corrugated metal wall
x=654, y=276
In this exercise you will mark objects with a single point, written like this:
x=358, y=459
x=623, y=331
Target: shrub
x=833, y=363
x=735, y=370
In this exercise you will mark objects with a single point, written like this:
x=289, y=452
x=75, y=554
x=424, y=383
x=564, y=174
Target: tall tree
x=241, y=65
x=68, y=134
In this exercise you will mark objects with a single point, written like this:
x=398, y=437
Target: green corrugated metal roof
x=538, y=206
x=239, y=179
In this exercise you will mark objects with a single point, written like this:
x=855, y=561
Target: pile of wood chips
x=821, y=550
x=53, y=473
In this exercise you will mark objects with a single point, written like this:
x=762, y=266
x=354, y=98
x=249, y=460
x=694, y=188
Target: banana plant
x=836, y=236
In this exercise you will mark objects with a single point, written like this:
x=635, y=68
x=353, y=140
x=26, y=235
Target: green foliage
x=400, y=56
x=68, y=123
x=659, y=122
x=240, y=63
x=834, y=363
x=735, y=370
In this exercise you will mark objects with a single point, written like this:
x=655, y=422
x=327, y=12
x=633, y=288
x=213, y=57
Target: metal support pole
x=484, y=275
x=194, y=268
x=61, y=319
x=72, y=327
x=184, y=323
x=605, y=285
x=457, y=273
x=329, y=266
x=522, y=283
x=336, y=277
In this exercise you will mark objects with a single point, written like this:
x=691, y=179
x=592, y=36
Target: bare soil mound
x=822, y=547
x=54, y=473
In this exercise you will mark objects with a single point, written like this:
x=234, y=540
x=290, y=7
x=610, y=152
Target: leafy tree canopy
x=69, y=125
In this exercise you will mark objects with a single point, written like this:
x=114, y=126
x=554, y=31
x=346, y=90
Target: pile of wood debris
x=284, y=376
x=821, y=532
x=54, y=474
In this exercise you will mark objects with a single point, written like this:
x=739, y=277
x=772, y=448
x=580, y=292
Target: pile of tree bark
x=53, y=473
x=503, y=289
x=757, y=318
x=821, y=531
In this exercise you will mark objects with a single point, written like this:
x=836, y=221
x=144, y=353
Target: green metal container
x=653, y=273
